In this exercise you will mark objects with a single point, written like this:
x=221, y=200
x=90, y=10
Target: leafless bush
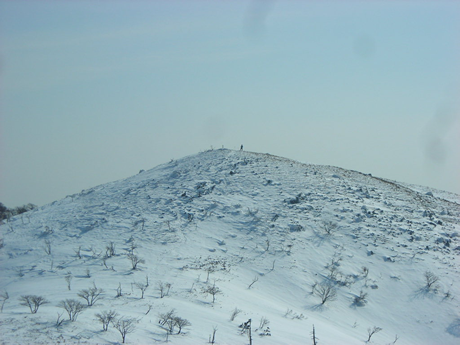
x=292, y=315
x=135, y=261
x=47, y=247
x=59, y=321
x=132, y=245
x=33, y=302
x=246, y=327
x=110, y=250
x=181, y=323
x=212, y=290
x=119, y=292
x=212, y=338
x=142, y=286
x=235, y=313
x=106, y=317
x=328, y=227
x=170, y=321
x=430, y=279
x=72, y=307
x=360, y=300
x=149, y=307
x=68, y=278
x=163, y=318
x=256, y=279
x=372, y=331
x=95, y=253
x=163, y=288
x=125, y=326
x=313, y=336
x=4, y=296
x=263, y=322
x=78, y=252
x=91, y=295
x=326, y=292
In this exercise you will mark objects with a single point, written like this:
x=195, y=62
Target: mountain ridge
x=247, y=215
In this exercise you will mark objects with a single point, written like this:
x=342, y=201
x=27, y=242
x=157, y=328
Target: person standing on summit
x=241, y=148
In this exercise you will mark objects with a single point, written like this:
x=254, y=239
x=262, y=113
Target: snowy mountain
x=286, y=245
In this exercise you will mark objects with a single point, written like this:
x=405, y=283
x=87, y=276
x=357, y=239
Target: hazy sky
x=94, y=91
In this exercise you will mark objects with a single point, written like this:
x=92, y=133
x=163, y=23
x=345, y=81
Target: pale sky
x=94, y=91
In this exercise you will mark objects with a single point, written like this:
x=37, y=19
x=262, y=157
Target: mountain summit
x=235, y=247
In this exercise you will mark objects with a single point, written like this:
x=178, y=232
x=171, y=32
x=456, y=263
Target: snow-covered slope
x=268, y=232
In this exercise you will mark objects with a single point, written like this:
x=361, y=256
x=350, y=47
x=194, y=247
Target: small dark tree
x=325, y=291
x=212, y=290
x=68, y=279
x=33, y=302
x=72, y=307
x=328, y=227
x=361, y=299
x=119, y=292
x=212, y=339
x=106, y=317
x=110, y=250
x=59, y=321
x=181, y=323
x=247, y=328
x=372, y=331
x=256, y=279
x=163, y=318
x=4, y=296
x=91, y=295
x=135, y=260
x=47, y=247
x=78, y=252
x=125, y=326
x=163, y=288
x=430, y=279
x=170, y=321
x=235, y=313
x=142, y=287
x=313, y=336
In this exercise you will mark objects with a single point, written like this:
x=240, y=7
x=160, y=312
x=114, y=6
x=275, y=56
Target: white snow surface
x=242, y=217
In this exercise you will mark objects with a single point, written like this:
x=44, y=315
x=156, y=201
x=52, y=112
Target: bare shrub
x=91, y=295
x=119, y=292
x=47, y=247
x=106, y=317
x=430, y=279
x=328, y=227
x=78, y=252
x=170, y=321
x=290, y=314
x=372, y=331
x=72, y=307
x=213, y=291
x=68, y=278
x=326, y=292
x=254, y=280
x=163, y=288
x=360, y=300
x=4, y=296
x=212, y=338
x=125, y=326
x=135, y=261
x=33, y=302
x=142, y=286
x=59, y=321
x=235, y=313
x=110, y=250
